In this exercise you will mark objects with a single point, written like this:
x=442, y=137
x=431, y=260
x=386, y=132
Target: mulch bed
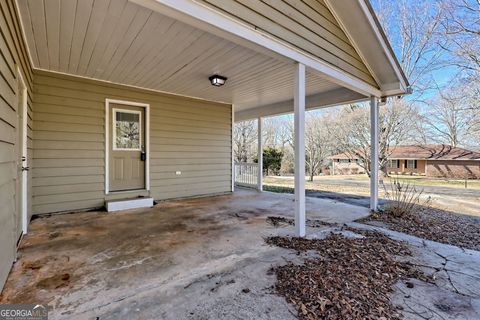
x=351, y=278
x=437, y=225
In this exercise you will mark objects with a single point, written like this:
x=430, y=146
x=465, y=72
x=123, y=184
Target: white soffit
x=125, y=43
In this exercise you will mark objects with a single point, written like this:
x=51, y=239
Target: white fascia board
x=212, y=21
x=385, y=48
x=386, y=89
x=352, y=40
x=321, y=100
x=393, y=89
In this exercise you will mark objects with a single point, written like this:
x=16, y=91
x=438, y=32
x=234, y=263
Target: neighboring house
x=112, y=100
x=434, y=160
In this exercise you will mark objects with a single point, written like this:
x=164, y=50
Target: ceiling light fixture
x=217, y=80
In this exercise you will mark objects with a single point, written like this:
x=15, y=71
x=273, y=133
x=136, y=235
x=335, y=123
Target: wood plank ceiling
x=121, y=42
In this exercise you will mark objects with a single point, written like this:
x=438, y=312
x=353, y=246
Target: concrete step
x=125, y=204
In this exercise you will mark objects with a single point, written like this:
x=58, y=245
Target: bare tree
x=276, y=132
x=413, y=28
x=351, y=130
x=461, y=27
x=244, y=140
x=317, y=143
x=451, y=117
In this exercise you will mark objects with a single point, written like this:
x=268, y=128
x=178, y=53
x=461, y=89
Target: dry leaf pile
x=437, y=225
x=278, y=221
x=351, y=278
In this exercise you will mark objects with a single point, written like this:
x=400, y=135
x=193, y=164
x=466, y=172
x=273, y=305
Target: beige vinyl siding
x=188, y=135
x=13, y=54
x=305, y=24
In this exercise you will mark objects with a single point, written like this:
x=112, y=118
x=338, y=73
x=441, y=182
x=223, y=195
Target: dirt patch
x=435, y=224
x=248, y=214
x=33, y=265
x=55, y=282
x=351, y=278
x=54, y=235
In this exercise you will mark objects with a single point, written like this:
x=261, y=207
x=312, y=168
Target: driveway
x=355, y=191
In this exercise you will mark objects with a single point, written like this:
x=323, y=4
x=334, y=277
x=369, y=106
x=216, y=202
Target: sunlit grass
x=288, y=181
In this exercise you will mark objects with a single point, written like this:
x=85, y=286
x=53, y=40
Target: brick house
x=433, y=160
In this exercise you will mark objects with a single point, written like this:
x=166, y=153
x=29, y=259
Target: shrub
x=404, y=199
x=272, y=161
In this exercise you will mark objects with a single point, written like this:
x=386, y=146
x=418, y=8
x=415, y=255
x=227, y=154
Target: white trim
x=259, y=155
x=299, y=142
x=107, y=141
x=352, y=41
x=24, y=204
x=386, y=89
x=114, y=131
x=24, y=37
x=210, y=20
x=381, y=40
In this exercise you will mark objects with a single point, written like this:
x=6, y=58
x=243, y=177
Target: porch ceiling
x=121, y=42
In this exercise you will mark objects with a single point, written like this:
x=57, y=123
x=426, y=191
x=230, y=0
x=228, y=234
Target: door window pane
x=127, y=130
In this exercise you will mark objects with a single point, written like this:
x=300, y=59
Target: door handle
x=25, y=168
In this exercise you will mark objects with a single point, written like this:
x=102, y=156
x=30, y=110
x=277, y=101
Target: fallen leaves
x=437, y=225
x=351, y=278
x=278, y=221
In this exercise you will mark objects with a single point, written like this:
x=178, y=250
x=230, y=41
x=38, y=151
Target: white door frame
x=107, y=141
x=24, y=102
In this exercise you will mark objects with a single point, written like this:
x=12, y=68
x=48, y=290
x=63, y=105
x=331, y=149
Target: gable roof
x=424, y=152
x=360, y=23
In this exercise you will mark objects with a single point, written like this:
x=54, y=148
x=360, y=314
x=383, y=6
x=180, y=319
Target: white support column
x=299, y=124
x=260, y=156
x=374, y=144
x=233, y=154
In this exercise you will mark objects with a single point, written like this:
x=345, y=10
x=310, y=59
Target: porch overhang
x=174, y=46
x=205, y=18
x=260, y=67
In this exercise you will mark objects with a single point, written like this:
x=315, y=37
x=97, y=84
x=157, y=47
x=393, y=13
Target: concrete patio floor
x=198, y=258
x=205, y=258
